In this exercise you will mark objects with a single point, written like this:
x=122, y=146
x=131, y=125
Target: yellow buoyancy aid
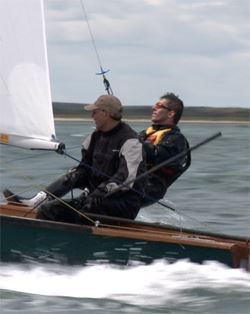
x=155, y=136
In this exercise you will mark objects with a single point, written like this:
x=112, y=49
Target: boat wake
x=157, y=284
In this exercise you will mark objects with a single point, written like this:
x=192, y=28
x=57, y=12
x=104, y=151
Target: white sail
x=25, y=99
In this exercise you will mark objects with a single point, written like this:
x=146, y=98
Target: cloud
x=195, y=48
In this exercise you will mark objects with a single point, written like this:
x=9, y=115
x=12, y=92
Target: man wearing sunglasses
x=161, y=141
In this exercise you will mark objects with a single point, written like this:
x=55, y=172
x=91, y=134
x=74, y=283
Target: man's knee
x=48, y=210
x=58, y=211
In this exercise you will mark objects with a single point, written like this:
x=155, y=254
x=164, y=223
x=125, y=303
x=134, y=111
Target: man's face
x=161, y=113
x=100, y=117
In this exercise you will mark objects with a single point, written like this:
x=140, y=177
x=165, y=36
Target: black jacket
x=172, y=143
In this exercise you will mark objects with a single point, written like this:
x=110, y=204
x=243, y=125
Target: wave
x=154, y=284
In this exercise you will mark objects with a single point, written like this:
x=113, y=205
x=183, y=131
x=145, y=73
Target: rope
x=119, y=227
x=95, y=223
x=102, y=71
x=108, y=177
x=71, y=207
x=168, y=161
x=40, y=154
x=99, y=224
x=179, y=213
x=154, y=168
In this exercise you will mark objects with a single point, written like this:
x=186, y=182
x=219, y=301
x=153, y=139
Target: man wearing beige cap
x=111, y=157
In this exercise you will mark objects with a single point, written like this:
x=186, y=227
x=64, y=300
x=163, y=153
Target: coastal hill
x=74, y=110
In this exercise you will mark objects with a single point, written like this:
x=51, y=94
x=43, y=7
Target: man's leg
x=123, y=205
x=57, y=211
x=73, y=179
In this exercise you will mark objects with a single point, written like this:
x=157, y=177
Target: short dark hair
x=175, y=104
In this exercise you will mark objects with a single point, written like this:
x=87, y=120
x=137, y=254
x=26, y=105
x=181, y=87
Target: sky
x=198, y=49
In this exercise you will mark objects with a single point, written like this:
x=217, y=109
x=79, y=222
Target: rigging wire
x=105, y=175
x=178, y=213
x=40, y=154
x=102, y=71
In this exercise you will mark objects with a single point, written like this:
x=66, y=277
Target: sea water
x=213, y=195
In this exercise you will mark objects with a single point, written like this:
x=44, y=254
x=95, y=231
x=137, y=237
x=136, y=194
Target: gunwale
x=114, y=227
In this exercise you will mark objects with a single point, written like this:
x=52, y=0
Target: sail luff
x=47, y=63
x=25, y=97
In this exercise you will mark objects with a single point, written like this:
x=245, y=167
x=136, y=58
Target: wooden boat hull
x=25, y=239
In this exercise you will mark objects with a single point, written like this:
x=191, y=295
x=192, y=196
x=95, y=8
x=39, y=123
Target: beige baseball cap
x=106, y=102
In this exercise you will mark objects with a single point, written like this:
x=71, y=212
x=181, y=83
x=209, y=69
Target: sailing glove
x=97, y=196
x=95, y=199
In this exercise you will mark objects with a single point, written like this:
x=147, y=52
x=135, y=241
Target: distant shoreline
x=72, y=119
x=75, y=112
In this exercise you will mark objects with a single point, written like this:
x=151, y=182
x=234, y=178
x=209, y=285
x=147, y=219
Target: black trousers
x=73, y=179
x=155, y=189
x=120, y=204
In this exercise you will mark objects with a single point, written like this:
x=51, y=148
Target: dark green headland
x=74, y=110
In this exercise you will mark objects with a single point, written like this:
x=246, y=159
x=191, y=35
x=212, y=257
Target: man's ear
x=171, y=114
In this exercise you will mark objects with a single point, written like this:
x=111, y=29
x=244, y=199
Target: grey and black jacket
x=108, y=160
x=115, y=156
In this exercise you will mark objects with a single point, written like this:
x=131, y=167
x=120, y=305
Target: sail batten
x=25, y=97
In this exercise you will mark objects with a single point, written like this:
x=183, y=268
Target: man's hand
x=95, y=198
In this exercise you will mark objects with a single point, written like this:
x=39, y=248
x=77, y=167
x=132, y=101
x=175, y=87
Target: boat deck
x=123, y=228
